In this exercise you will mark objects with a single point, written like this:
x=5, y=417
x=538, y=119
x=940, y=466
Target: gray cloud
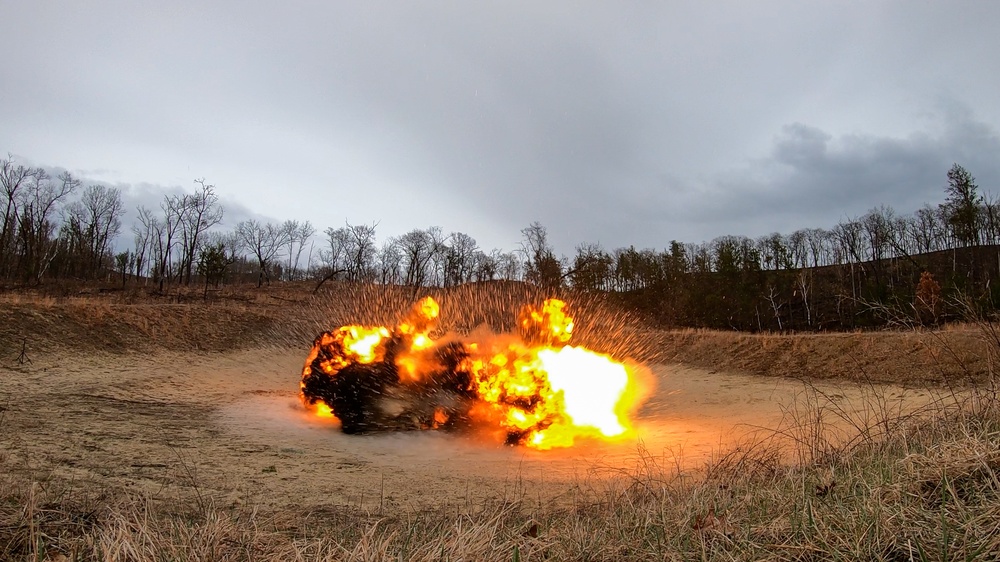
x=624, y=123
x=811, y=178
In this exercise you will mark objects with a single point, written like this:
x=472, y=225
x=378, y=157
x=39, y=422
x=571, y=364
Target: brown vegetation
x=144, y=466
x=920, y=484
x=86, y=319
x=957, y=355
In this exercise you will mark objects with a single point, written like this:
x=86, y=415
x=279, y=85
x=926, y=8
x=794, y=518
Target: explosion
x=532, y=388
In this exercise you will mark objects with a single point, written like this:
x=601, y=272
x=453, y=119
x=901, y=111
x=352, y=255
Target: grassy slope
x=288, y=315
x=925, y=487
x=958, y=355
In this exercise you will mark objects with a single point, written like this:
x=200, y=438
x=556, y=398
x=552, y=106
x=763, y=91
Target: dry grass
x=285, y=315
x=89, y=320
x=957, y=355
x=894, y=485
x=925, y=486
x=289, y=315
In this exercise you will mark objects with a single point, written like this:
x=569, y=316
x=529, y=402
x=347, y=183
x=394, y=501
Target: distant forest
x=925, y=267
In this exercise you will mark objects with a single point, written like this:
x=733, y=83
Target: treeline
x=882, y=267
x=55, y=228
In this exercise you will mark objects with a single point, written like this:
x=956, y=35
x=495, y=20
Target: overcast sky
x=613, y=122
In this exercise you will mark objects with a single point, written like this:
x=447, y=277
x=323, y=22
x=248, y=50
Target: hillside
x=288, y=316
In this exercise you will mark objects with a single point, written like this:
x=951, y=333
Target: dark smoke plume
x=371, y=397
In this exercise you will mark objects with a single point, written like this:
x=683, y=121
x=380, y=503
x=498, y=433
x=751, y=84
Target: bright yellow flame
x=429, y=308
x=363, y=343
x=409, y=368
x=421, y=318
x=440, y=417
x=591, y=385
x=558, y=395
x=550, y=324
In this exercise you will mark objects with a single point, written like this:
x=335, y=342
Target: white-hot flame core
x=592, y=385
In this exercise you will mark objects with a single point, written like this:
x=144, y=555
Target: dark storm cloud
x=623, y=123
x=813, y=179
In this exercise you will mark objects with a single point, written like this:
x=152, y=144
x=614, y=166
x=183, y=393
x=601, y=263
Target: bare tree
x=299, y=234
x=201, y=211
x=95, y=220
x=174, y=208
x=818, y=241
x=360, y=266
x=541, y=265
x=390, y=260
x=124, y=263
x=928, y=235
x=417, y=249
x=592, y=268
x=459, y=254
x=487, y=266
x=439, y=257
x=351, y=251
x=775, y=252
x=804, y=283
x=962, y=207
x=878, y=228
x=13, y=180
x=509, y=266
x=335, y=256
x=877, y=225
x=798, y=248
x=218, y=251
x=849, y=239
x=144, y=241
x=772, y=297
x=35, y=224
x=848, y=236
x=991, y=221
x=264, y=241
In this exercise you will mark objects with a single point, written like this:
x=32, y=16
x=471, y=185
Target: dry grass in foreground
x=913, y=486
x=919, y=486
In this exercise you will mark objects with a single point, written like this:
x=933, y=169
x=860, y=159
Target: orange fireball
x=541, y=392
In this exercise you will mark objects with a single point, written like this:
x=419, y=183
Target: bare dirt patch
x=228, y=428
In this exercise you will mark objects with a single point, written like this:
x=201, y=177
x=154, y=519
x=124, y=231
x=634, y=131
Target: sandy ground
x=229, y=428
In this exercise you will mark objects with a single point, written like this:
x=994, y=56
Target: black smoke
x=373, y=397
